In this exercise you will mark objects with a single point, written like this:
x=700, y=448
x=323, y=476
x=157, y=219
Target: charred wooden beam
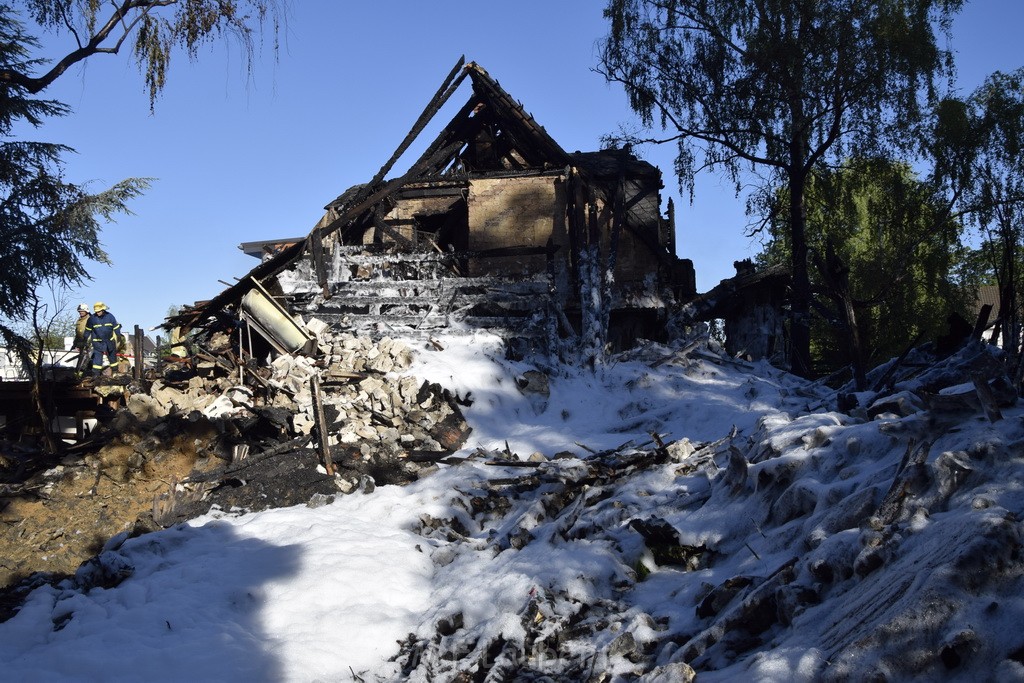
x=532, y=285
x=323, y=439
x=484, y=83
x=138, y=351
x=317, y=247
x=387, y=190
x=618, y=219
x=447, y=89
x=273, y=451
x=458, y=129
x=400, y=239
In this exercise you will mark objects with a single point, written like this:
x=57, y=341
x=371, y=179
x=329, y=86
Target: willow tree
x=770, y=90
x=885, y=248
x=988, y=132
x=152, y=30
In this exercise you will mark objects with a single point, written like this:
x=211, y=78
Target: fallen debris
x=195, y=437
x=812, y=541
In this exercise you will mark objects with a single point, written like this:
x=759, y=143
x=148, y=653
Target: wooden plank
x=354, y=298
x=320, y=422
x=392, y=233
x=378, y=328
x=352, y=256
x=514, y=324
x=447, y=89
x=316, y=244
x=137, y=351
x=534, y=284
x=416, y=257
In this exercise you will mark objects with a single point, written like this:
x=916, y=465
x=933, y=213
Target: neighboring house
x=988, y=295
x=13, y=370
x=494, y=226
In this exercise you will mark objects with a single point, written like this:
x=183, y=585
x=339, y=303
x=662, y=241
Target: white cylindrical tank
x=273, y=323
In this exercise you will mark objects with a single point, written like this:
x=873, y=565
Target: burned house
x=750, y=306
x=494, y=226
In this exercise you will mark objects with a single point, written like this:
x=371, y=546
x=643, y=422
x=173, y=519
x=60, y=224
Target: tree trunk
x=50, y=443
x=1009, y=320
x=836, y=276
x=800, y=301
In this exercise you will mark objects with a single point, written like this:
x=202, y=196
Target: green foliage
x=902, y=249
x=774, y=90
x=978, y=147
x=153, y=29
x=49, y=227
x=741, y=82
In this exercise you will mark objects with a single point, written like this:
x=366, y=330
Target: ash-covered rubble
x=879, y=543
x=298, y=427
x=210, y=430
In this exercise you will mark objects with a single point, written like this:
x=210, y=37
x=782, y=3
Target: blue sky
x=238, y=158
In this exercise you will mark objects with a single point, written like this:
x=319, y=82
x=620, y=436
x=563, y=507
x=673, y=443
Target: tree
x=980, y=142
x=49, y=227
x=777, y=89
x=153, y=28
x=46, y=323
x=886, y=249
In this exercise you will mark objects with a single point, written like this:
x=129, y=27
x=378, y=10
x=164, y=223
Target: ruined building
x=494, y=226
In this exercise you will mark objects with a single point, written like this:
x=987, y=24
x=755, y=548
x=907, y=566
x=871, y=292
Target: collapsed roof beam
x=447, y=89
x=383, y=227
x=388, y=189
x=455, y=130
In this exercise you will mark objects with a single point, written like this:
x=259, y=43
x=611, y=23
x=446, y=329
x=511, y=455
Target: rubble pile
x=378, y=428
x=366, y=409
x=196, y=437
x=830, y=544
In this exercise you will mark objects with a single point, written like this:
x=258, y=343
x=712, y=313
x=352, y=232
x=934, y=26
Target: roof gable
x=491, y=132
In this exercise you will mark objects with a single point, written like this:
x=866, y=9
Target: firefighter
x=81, y=342
x=102, y=331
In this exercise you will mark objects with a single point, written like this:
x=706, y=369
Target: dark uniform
x=102, y=330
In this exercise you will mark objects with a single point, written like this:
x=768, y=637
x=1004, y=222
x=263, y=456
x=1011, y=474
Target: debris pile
x=197, y=437
x=365, y=409
x=839, y=536
x=366, y=423
x=821, y=546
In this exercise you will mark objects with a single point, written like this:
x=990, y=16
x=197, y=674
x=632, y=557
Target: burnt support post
x=320, y=422
x=138, y=350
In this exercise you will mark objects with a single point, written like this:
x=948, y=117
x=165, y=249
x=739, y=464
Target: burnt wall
x=636, y=258
x=515, y=212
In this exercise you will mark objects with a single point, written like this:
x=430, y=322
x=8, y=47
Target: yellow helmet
x=99, y=306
